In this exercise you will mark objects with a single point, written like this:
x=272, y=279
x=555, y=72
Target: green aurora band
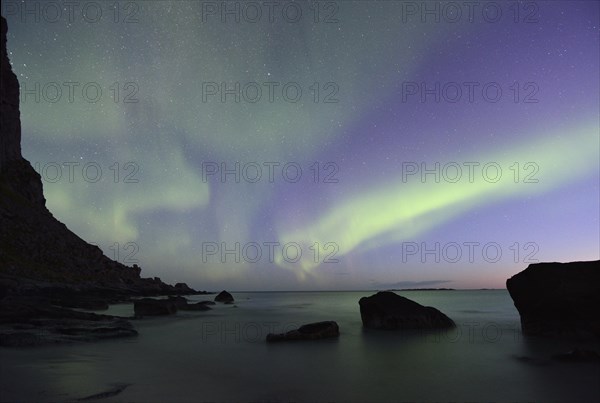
x=397, y=212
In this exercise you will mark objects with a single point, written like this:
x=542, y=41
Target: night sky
x=339, y=121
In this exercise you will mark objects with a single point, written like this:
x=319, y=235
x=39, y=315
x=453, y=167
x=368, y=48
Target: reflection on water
x=221, y=355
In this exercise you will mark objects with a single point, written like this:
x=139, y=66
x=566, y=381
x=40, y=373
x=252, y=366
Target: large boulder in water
x=224, y=297
x=311, y=331
x=389, y=311
x=558, y=299
x=183, y=304
x=154, y=307
x=179, y=301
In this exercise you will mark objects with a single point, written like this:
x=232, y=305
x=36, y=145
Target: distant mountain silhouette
x=423, y=289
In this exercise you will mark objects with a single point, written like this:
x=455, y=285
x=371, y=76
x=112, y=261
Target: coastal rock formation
x=224, y=297
x=389, y=311
x=81, y=302
x=44, y=267
x=179, y=301
x=27, y=321
x=10, y=142
x=311, y=331
x=183, y=289
x=154, y=307
x=18, y=176
x=183, y=304
x=558, y=299
x=36, y=250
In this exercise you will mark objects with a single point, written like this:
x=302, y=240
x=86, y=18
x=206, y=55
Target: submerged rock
x=558, y=299
x=311, y=331
x=180, y=302
x=154, y=307
x=390, y=311
x=224, y=297
x=184, y=305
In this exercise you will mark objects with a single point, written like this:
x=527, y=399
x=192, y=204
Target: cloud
x=410, y=284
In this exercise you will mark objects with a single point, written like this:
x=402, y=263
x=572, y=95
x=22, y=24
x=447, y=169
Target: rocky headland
x=46, y=269
x=558, y=300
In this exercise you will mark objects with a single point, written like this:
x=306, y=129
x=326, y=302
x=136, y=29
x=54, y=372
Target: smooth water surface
x=221, y=355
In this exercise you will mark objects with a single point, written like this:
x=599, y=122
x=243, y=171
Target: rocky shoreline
x=41, y=314
x=46, y=271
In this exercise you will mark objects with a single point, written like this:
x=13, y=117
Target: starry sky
x=379, y=144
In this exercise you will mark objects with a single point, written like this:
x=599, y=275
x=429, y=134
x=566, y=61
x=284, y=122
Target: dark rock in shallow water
x=184, y=305
x=225, y=297
x=311, y=331
x=154, y=307
x=558, y=299
x=180, y=302
x=208, y=302
x=387, y=310
x=183, y=289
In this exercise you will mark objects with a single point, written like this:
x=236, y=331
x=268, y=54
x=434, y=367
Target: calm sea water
x=221, y=355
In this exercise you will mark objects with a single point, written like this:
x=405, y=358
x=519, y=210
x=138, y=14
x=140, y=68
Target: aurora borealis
x=332, y=116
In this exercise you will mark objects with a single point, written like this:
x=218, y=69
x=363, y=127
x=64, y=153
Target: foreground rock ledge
x=311, y=331
x=25, y=322
x=389, y=311
x=160, y=307
x=558, y=300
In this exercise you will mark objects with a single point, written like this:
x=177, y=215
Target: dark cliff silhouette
x=36, y=250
